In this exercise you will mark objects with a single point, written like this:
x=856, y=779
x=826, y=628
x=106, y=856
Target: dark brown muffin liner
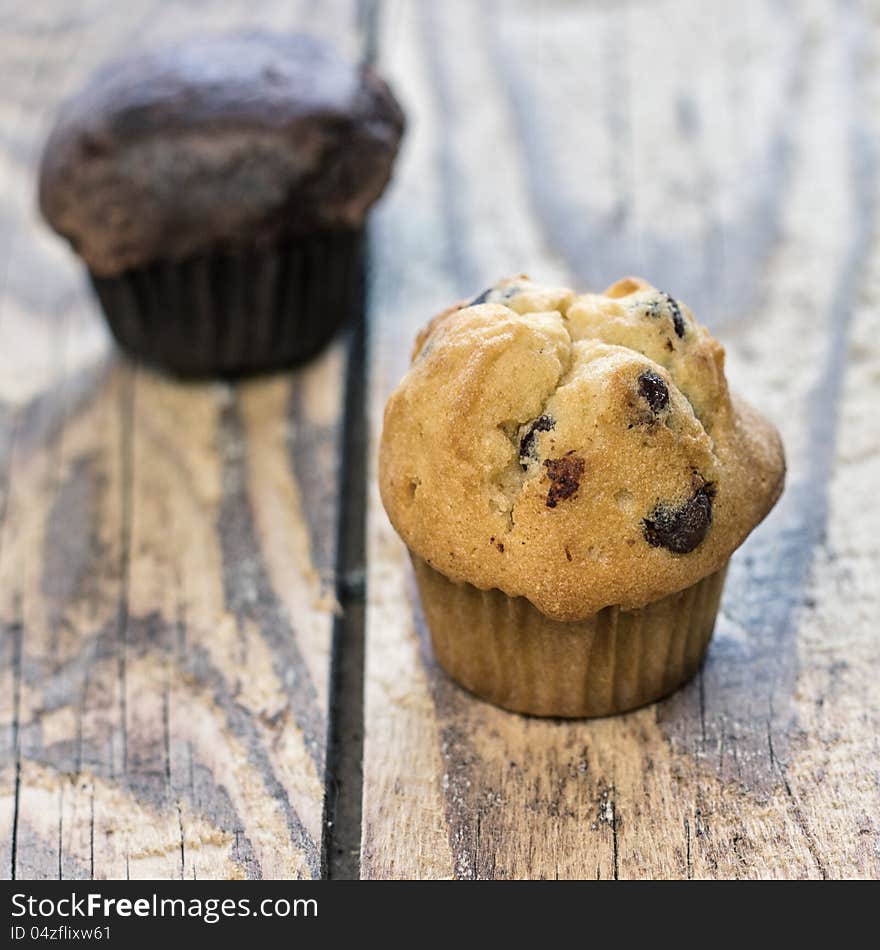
x=506, y=651
x=234, y=311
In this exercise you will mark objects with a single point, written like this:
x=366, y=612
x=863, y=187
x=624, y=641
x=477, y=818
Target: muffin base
x=237, y=310
x=506, y=651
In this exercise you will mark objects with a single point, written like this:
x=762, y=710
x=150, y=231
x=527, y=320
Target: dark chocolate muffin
x=217, y=192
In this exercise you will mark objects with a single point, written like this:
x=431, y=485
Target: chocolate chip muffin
x=571, y=476
x=217, y=191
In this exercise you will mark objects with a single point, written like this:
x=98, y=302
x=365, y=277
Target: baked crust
x=220, y=139
x=581, y=451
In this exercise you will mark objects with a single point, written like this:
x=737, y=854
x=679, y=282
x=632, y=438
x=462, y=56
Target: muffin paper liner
x=506, y=651
x=234, y=311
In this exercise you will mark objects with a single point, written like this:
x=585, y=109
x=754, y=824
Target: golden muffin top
x=576, y=450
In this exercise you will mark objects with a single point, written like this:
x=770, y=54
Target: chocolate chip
x=527, y=444
x=504, y=294
x=677, y=318
x=682, y=529
x=484, y=296
x=653, y=390
x=565, y=477
x=654, y=311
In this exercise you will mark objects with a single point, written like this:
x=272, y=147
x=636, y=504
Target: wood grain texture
x=728, y=154
x=167, y=551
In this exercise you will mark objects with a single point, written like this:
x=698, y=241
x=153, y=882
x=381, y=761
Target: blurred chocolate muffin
x=217, y=192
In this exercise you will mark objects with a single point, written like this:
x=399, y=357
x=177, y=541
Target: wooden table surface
x=212, y=661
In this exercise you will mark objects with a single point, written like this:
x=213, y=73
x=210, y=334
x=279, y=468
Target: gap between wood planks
x=345, y=739
x=343, y=786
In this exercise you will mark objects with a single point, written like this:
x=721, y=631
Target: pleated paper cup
x=233, y=311
x=504, y=650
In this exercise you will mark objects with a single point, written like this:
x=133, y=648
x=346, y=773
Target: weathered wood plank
x=167, y=551
x=574, y=142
